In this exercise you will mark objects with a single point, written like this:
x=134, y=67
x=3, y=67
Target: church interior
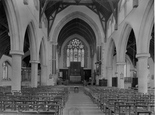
x=77, y=57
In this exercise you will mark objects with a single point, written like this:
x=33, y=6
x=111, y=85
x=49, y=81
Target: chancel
x=77, y=57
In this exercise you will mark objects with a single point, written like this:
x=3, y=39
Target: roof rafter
x=115, y=12
x=101, y=2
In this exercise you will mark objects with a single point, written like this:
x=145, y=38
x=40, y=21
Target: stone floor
x=80, y=104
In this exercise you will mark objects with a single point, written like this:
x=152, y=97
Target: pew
x=42, y=100
x=121, y=101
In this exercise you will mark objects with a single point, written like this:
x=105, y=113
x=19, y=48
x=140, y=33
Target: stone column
x=142, y=72
x=16, y=69
x=103, y=76
x=92, y=71
x=43, y=75
x=109, y=76
x=120, y=71
x=34, y=73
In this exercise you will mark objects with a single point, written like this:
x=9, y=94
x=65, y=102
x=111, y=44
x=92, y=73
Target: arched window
x=75, y=52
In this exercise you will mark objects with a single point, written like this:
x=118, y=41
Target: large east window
x=75, y=52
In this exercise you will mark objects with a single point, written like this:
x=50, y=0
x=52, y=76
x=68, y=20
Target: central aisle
x=80, y=104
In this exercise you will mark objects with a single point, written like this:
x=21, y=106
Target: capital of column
x=120, y=63
x=34, y=61
x=54, y=43
x=110, y=68
x=43, y=65
x=16, y=52
x=143, y=55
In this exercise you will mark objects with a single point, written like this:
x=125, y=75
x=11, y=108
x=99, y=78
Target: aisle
x=80, y=104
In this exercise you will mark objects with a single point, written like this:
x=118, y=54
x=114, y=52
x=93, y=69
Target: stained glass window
x=75, y=52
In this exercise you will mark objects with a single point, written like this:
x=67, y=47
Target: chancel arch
x=83, y=33
x=81, y=16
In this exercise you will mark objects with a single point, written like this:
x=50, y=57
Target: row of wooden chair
x=41, y=100
x=115, y=101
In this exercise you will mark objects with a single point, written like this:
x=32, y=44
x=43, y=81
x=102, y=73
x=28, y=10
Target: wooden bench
x=121, y=101
x=48, y=101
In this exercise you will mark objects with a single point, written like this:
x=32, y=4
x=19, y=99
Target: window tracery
x=75, y=52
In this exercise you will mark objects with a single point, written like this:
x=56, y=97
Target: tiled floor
x=80, y=104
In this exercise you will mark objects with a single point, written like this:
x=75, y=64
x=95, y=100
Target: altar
x=75, y=78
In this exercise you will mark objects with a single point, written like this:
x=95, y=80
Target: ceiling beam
x=101, y=2
x=51, y=21
x=68, y=3
x=103, y=22
x=93, y=8
x=51, y=18
x=115, y=13
x=43, y=8
x=3, y=22
x=101, y=17
x=62, y=7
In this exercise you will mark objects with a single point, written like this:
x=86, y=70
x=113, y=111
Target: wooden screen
x=75, y=68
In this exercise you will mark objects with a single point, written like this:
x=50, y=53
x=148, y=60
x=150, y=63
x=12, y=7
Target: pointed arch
x=123, y=42
x=146, y=29
x=12, y=15
x=87, y=46
x=82, y=16
x=32, y=40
